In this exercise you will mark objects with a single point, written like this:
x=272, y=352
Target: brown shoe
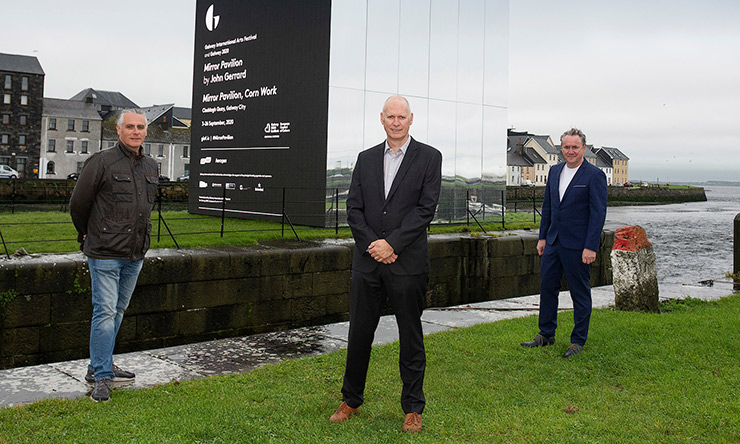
x=343, y=413
x=412, y=424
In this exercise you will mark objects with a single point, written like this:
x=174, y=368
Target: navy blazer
x=577, y=221
x=403, y=217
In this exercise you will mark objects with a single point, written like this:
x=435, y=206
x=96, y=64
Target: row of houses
x=530, y=156
x=50, y=138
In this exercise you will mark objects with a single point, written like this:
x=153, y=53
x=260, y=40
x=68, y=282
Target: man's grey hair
x=119, y=120
x=396, y=98
x=574, y=132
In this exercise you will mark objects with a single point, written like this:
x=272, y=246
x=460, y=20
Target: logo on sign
x=211, y=20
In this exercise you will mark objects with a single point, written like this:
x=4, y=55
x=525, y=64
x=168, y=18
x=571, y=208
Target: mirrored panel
x=443, y=51
x=383, y=26
x=469, y=148
x=345, y=132
x=471, y=51
x=347, y=60
x=441, y=130
x=497, y=53
x=414, y=46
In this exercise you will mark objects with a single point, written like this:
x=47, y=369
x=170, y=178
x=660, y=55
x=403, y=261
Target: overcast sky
x=659, y=80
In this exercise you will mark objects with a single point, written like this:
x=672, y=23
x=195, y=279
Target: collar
x=402, y=149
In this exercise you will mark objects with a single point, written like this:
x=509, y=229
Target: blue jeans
x=113, y=282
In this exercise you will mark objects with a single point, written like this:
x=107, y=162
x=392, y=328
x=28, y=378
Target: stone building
x=70, y=133
x=22, y=90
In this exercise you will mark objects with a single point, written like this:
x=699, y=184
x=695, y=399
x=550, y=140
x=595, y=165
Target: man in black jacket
x=392, y=199
x=110, y=208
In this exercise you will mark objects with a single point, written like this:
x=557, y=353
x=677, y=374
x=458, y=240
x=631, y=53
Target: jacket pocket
x=122, y=187
x=115, y=237
x=152, y=182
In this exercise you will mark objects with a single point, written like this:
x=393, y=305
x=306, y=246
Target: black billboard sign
x=260, y=109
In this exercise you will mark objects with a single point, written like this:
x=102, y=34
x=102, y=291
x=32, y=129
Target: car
x=164, y=178
x=73, y=176
x=527, y=183
x=627, y=184
x=185, y=178
x=8, y=172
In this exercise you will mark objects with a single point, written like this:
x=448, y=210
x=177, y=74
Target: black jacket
x=403, y=217
x=112, y=202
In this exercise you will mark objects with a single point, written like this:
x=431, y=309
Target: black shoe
x=573, y=349
x=101, y=390
x=539, y=341
x=119, y=375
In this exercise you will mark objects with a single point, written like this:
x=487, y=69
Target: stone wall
x=201, y=294
x=619, y=195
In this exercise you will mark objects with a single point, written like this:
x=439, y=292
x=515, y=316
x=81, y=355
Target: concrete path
x=235, y=355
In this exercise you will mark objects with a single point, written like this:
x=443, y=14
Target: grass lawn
x=671, y=377
x=53, y=232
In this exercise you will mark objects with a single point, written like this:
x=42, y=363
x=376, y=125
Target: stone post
x=634, y=275
x=736, y=265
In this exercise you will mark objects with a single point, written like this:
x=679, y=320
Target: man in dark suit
x=392, y=199
x=573, y=214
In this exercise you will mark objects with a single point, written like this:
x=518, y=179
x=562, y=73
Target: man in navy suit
x=392, y=199
x=573, y=214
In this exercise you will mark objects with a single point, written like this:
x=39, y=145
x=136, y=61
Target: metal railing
x=454, y=208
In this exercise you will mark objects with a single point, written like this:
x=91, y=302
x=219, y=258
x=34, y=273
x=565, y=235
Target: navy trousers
x=557, y=262
x=367, y=298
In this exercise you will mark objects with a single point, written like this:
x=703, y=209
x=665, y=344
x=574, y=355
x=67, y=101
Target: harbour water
x=692, y=241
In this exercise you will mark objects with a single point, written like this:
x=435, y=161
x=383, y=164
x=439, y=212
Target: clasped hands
x=381, y=251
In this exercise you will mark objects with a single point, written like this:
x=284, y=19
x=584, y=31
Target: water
x=692, y=241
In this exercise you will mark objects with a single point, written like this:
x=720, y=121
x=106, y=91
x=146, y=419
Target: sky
x=660, y=80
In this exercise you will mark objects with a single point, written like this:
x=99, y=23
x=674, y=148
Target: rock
x=634, y=274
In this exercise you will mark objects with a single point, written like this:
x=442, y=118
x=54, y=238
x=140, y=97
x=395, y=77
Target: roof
x=70, y=108
x=514, y=158
x=543, y=141
x=153, y=113
x=182, y=113
x=20, y=63
x=615, y=153
x=531, y=155
x=111, y=98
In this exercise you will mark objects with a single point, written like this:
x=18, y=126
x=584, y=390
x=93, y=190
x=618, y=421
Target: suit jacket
x=578, y=220
x=402, y=218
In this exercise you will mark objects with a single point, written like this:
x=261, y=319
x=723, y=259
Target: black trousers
x=367, y=298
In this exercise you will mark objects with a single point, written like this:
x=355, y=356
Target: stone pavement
x=235, y=355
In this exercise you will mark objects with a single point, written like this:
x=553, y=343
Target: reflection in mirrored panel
x=471, y=51
x=414, y=49
x=383, y=28
x=450, y=59
x=497, y=53
x=347, y=60
x=443, y=51
x=345, y=130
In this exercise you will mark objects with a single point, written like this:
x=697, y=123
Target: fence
x=458, y=206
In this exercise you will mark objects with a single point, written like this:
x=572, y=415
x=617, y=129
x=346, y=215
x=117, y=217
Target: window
x=83, y=148
x=6, y=119
x=70, y=125
x=187, y=169
x=24, y=100
x=23, y=120
x=70, y=146
x=79, y=166
x=147, y=148
x=185, y=151
x=50, y=167
x=4, y=139
x=24, y=83
x=7, y=81
x=86, y=126
x=160, y=151
x=51, y=147
x=52, y=123
x=6, y=99
x=21, y=140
